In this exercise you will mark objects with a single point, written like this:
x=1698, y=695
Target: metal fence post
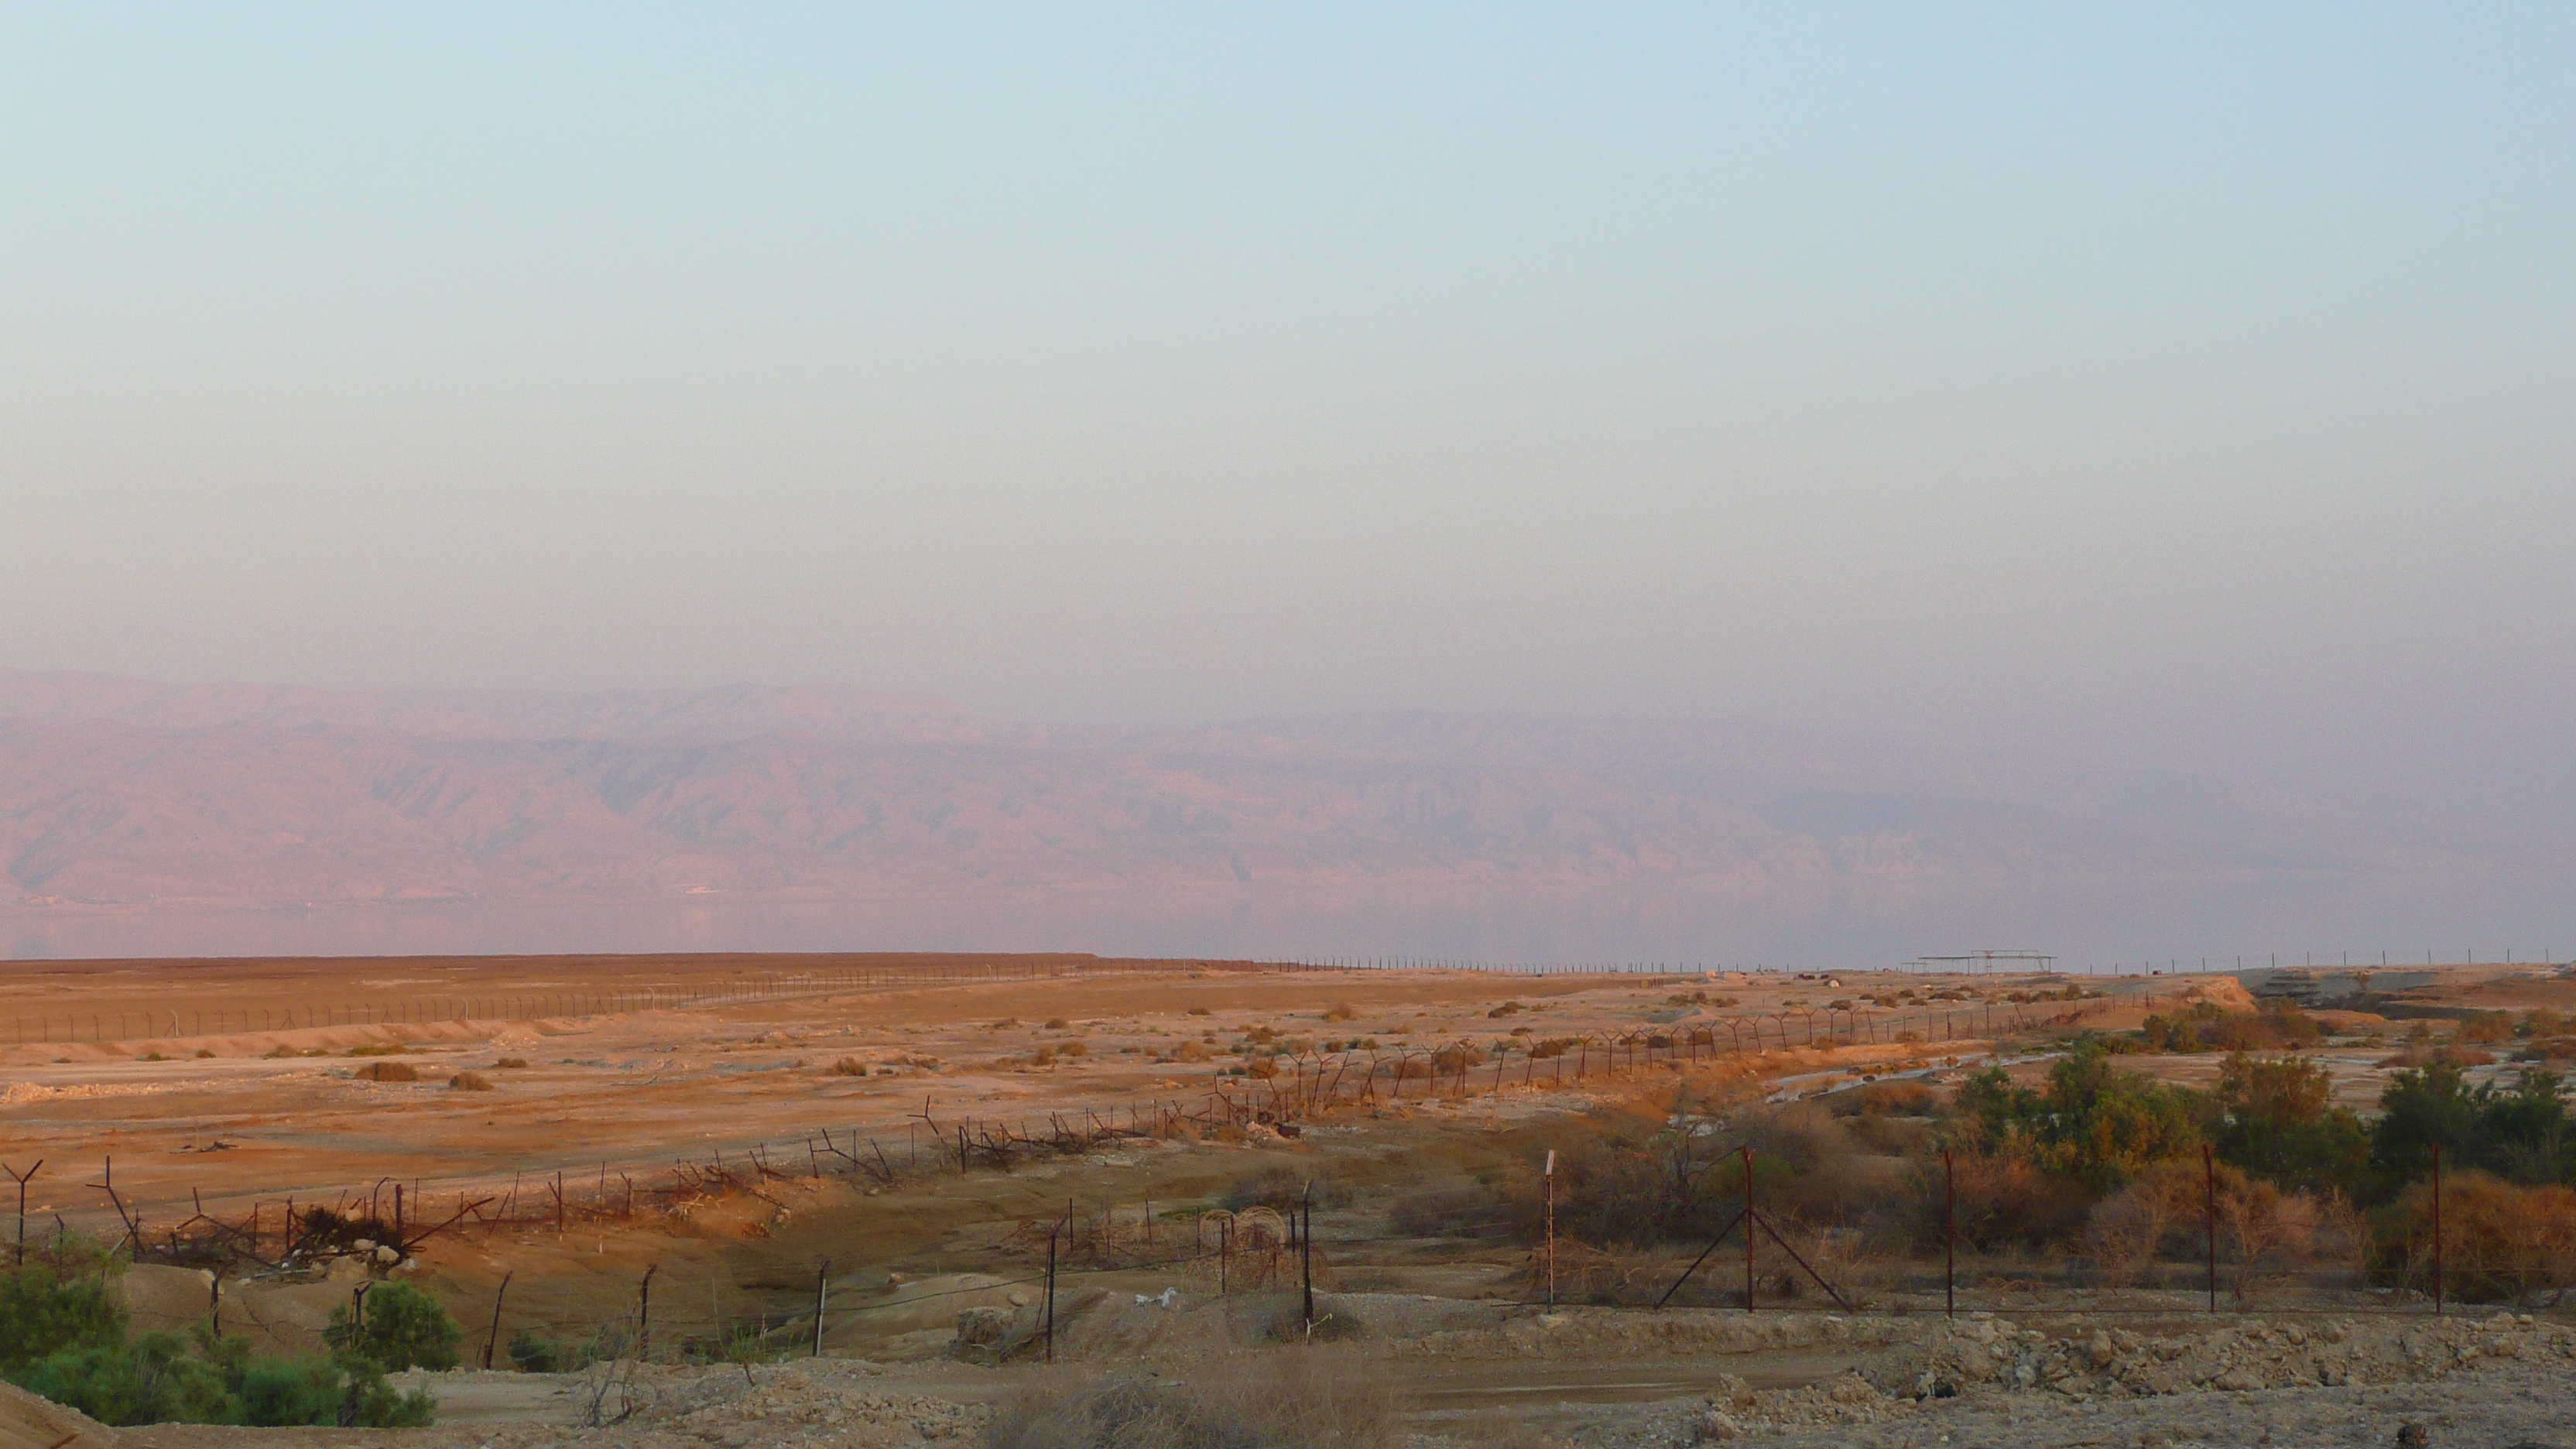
x=822, y=1279
x=2437, y=1229
x=1949, y=1235
x=1748, y=1229
x=2209, y=1204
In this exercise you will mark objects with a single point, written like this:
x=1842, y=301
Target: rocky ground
x=2495, y=1381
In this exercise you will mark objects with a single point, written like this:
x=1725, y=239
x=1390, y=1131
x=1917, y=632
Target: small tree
x=403, y=1328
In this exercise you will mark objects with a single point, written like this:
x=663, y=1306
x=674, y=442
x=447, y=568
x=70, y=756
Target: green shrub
x=533, y=1353
x=56, y=1307
x=150, y=1381
x=402, y=1328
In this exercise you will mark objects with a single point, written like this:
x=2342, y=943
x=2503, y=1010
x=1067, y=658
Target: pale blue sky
x=2163, y=384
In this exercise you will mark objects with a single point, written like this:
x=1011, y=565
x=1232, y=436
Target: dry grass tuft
x=469, y=1082
x=1295, y=1399
x=388, y=1072
x=850, y=1067
x=1341, y=1011
x=510, y=1064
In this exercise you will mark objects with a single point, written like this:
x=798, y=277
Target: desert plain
x=700, y=1151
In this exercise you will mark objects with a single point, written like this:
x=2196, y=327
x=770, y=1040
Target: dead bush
x=1325, y=1399
x=1282, y=1188
x=389, y=1072
x=2167, y=1210
x=1891, y=1136
x=1881, y=1099
x=2004, y=1199
x=510, y=1064
x=850, y=1067
x=1190, y=1051
x=1341, y=1011
x=2484, y=1028
x=2501, y=1243
x=469, y=1082
x=1057, y=1023
x=2418, y=1055
x=1073, y=1048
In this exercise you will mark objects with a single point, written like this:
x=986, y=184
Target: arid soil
x=614, y=1096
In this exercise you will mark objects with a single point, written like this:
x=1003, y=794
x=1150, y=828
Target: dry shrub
x=510, y=1064
x=1341, y=1011
x=469, y=1082
x=2485, y=1027
x=1283, y=1188
x=389, y=1072
x=1190, y=1051
x=2003, y=1199
x=1296, y=1399
x=2425, y=1056
x=1890, y=1136
x=1043, y=1057
x=2543, y=1021
x=2500, y=1242
x=1555, y=1046
x=2167, y=1209
x=1881, y=1099
x=1262, y=1067
x=1073, y=1049
x=850, y=1067
x=1057, y=1023
x=1198, y=1011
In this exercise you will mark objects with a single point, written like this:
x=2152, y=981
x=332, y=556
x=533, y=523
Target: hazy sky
x=2162, y=384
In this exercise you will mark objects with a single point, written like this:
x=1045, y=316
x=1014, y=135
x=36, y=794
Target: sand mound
x=28, y=1422
x=2224, y=991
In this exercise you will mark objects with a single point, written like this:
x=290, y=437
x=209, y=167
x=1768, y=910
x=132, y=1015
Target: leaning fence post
x=1050, y=1292
x=644, y=1315
x=822, y=1279
x=494, y=1336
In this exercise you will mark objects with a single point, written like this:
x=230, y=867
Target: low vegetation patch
x=64, y=1337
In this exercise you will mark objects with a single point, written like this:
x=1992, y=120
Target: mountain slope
x=124, y=791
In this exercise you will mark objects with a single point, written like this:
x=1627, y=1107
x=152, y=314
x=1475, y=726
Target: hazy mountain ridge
x=124, y=791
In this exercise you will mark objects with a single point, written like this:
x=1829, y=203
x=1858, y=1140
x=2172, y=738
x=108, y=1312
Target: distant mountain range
x=129, y=792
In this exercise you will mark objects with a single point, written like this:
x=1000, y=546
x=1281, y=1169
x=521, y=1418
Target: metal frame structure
x=1983, y=961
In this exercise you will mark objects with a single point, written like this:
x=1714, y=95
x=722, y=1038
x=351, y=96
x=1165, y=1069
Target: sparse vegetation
x=388, y=1072
x=469, y=1082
